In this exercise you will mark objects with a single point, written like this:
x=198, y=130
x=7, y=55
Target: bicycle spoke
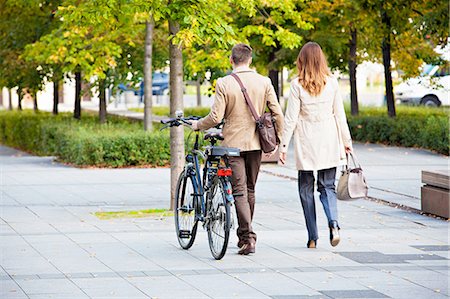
x=219, y=224
x=186, y=225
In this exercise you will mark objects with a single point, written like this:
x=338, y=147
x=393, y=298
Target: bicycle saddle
x=212, y=136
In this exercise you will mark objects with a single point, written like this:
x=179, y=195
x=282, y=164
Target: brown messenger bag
x=265, y=123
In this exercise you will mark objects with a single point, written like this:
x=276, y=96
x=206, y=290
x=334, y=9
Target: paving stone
x=208, y=271
x=354, y=294
x=299, y=297
x=103, y=274
x=132, y=274
x=108, y=288
x=79, y=275
x=167, y=287
x=48, y=286
x=52, y=276
x=432, y=247
x=158, y=273
x=9, y=289
x=380, y=258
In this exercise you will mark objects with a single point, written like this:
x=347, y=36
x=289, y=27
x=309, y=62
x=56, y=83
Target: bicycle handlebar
x=175, y=122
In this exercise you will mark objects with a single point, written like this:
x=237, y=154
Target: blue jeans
x=326, y=187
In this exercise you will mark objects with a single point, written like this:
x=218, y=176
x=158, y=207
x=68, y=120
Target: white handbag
x=352, y=183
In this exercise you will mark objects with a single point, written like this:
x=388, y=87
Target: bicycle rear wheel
x=219, y=219
x=185, y=222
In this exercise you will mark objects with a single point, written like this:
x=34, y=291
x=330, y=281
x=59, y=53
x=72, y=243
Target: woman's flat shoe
x=334, y=233
x=312, y=244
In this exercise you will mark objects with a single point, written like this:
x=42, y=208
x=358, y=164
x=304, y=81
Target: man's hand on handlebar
x=179, y=121
x=194, y=125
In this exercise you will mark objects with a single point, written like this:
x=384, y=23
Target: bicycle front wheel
x=219, y=219
x=185, y=222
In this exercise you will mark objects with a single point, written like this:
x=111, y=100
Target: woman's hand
x=348, y=149
x=282, y=158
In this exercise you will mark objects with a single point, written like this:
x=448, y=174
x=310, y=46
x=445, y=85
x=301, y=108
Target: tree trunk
x=77, y=109
x=20, y=97
x=199, y=93
x=1, y=96
x=281, y=83
x=10, y=99
x=386, y=49
x=35, y=104
x=61, y=92
x=85, y=91
x=55, y=96
x=352, y=71
x=273, y=75
x=148, y=93
x=176, y=104
x=102, y=102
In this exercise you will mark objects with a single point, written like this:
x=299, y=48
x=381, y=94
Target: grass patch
x=165, y=111
x=134, y=214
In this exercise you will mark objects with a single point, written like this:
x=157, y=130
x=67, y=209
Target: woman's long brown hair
x=312, y=68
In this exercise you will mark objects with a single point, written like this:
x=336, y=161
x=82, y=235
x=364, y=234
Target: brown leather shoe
x=312, y=244
x=247, y=248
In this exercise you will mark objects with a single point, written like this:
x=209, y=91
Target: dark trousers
x=245, y=173
x=326, y=187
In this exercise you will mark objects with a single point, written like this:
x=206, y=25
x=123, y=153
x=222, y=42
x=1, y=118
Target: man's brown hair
x=241, y=53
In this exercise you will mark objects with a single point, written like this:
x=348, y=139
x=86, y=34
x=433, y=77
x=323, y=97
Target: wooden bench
x=435, y=194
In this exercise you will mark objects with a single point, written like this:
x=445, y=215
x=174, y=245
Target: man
x=239, y=131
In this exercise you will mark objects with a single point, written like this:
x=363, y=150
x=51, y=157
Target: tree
x=274, y=32
x=398, y=27
x=22, y=23
x=336, y=27
x=87, y=43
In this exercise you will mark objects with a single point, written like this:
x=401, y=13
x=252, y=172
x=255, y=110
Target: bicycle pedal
x=184, y=234
x=186, y=209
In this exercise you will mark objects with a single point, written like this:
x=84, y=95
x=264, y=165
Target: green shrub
x=413, y=127
x=115, y=144
x=165, y=111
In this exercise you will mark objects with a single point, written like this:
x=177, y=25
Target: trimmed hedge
x=116, y=144
x=420, y=127
x=122, y=142
x=165, y=111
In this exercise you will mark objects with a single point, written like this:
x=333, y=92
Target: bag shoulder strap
x=246, y=96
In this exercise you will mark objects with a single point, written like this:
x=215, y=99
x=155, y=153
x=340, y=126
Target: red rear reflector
x=224, y=172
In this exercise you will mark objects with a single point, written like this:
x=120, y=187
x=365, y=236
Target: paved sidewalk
x=394, y=174
x=51, y=245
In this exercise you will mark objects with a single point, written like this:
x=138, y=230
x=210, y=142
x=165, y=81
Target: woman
x=315, y=116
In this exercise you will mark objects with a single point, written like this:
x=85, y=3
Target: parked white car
x=431, y=88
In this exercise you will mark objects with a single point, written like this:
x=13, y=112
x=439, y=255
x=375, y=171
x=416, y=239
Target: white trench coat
x=319, y=126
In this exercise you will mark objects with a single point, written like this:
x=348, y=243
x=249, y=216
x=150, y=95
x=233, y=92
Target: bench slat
x=436, y=178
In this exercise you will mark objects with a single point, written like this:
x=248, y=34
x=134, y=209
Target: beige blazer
x=239, y=129
x=319, y=126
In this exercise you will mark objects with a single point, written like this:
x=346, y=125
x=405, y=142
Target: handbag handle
x=353, y=158
x=246, y=97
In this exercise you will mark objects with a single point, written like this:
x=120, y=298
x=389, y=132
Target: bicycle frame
x=199, y=191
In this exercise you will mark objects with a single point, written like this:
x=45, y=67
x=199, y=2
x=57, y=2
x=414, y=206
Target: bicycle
x=207, y=198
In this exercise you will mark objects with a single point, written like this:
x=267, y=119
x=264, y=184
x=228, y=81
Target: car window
x=444, y=70
x=427, y=69
x=160, y=77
